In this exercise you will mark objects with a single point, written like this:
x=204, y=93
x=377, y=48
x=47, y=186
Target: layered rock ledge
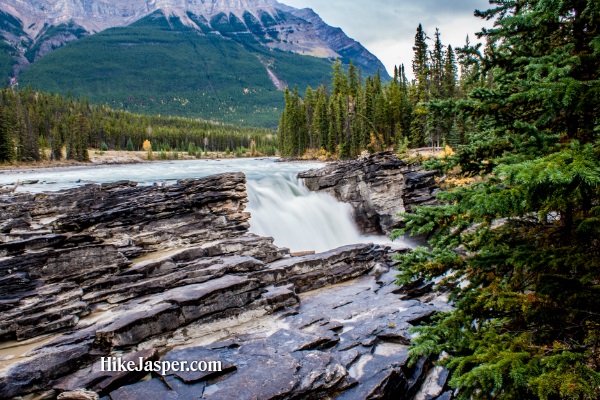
x=378, y=188
x=171, y=273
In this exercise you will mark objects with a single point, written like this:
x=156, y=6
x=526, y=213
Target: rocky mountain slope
x=299, y=31
x=264, y=28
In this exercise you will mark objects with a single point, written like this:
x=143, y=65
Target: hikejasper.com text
x=117, y=364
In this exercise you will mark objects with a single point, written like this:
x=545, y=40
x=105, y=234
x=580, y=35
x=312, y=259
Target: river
x=280, y=205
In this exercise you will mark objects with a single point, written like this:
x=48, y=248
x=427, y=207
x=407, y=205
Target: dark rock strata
x=172, y=274
x=348, y=342
x=377, y=188
x=73, y=249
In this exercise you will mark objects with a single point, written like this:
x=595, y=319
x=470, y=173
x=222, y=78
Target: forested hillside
x=353, y=115
x=517, y=236
x=160, y=66
x=35, y=126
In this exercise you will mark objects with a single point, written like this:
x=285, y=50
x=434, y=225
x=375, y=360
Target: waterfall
x=281, y=206
x=301, y=220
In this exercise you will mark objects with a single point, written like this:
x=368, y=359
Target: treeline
x=36, y=126
x=353, y=115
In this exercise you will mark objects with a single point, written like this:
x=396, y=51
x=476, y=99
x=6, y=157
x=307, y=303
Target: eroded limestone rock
x=155, y=272
x=345, y=341
x=377, y=188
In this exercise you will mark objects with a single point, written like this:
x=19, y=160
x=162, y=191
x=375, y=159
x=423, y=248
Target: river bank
x=110, y=157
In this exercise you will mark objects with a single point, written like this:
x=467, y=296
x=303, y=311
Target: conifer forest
x=359, y=113
x=35, y=126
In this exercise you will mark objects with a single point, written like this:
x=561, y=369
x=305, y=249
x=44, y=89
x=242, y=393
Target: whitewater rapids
x=280, y=205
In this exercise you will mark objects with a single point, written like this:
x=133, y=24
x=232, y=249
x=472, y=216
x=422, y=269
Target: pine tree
x=30, y=145
x=394, y=101
x=6, y=137
x=343, y=123
x=20, y=130
x=56, y=148
x=421, y=68
x=321, y=119
x=334, y=124
x=340, y=80
x=309, y=111
x=285, y=134
x=405, y=106
x=81, y=139
x=357, y=124
x=454, y=138
x=437, y=66
x=353, y=80
x=520, y=245
x=71, y=140
x=449, y=77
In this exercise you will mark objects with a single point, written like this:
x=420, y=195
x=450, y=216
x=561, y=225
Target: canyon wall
x=378, y=188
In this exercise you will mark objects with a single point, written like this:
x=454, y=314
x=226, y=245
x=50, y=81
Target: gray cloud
x=387, y=28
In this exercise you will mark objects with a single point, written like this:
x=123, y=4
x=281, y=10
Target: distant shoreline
x=61, y=166
x=108, y=158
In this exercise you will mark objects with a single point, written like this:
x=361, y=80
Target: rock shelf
x=172, y=274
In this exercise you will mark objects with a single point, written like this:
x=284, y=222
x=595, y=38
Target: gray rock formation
x=171, y=273
x=349, y=340
x=73, y=246
x=377, y=188
x=337, y=40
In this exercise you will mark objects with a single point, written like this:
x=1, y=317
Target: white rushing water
x=280, y=205
x=283, y=208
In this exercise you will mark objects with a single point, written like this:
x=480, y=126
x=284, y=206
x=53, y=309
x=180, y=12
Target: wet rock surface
x=345, y=341
x=74, y=249
x=377, y=188
x=172, y=274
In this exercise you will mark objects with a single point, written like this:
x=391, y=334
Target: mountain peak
x=209, y=58
x=97, y=15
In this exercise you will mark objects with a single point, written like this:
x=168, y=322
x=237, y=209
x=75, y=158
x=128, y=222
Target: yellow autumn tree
x=148, y=147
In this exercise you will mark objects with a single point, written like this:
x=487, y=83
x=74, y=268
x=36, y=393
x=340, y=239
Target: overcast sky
x=387, y=27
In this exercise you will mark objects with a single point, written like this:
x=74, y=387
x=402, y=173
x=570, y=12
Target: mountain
x=217, y=59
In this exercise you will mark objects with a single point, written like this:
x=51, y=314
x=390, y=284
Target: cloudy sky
x=387, y=27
